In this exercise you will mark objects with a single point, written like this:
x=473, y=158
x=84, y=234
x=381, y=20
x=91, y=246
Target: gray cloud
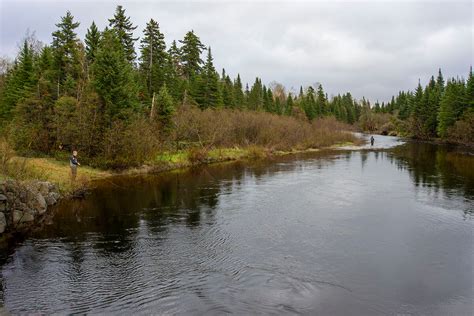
x=371, y=48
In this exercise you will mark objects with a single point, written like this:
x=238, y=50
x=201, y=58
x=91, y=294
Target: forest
x=119, y=106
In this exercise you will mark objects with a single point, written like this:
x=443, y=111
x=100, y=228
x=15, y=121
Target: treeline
x=443, y=109
x=101, y=97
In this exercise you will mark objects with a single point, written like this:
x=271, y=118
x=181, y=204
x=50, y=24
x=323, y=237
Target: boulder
x=22, y=217
x=41, y=203
x=52, y=198
x=3, y=203
x=3, y=223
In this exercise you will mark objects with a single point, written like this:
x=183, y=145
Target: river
x=378, y=231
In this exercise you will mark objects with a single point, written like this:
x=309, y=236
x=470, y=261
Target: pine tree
x=309, y=103
x=92, y=40
x=190, y=54
x=470, y=90
x=418, y=115
x=239, y=96
x=19, y=82
x=255, y=96
x=113, y=78
x=164, y=108
x=207, y=93
x=66, y=51
x=124, y=28
x=153, y=57
x=228, y=96
x=321, y=102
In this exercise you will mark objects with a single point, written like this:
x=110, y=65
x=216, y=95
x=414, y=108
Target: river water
x=379, y=231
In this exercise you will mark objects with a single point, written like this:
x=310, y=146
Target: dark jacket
x=73, y=161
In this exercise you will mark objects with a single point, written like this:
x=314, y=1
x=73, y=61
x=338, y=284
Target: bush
x=214, y=128
x=463, y=130
x=127, y=144
x=197, y=155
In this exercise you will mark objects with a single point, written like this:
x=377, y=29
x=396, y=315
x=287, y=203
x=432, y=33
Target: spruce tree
x=470, y=90
x=255, y=96
x=124, y=28
x=19, y=81
x=164, y=108
x=309, y=103
x=190, y=54
x=66, y=51
x=208, y=93
x=321, y=101
x=154, y=58
x=113, y=78
x=228, y=93
x=418, y=115
x=92, y=40
x=239, y=97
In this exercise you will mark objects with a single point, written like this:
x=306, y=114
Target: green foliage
x=124, y=28
x=154, y=58
x=206, y=90
x=66, y=53
x=190, y=55
x=165, y=108
x=92, y=41
x=113, y=78
x=19, y=81
x=452, y=105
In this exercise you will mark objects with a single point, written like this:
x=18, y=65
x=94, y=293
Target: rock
x=3, y=223
x=43, y=187
x=22, y=217
x=41, y=203
x=55, y=195
x=3, y=203
x=50, y=200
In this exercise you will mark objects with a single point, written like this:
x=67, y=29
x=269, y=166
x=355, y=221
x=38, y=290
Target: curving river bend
x=387, y=230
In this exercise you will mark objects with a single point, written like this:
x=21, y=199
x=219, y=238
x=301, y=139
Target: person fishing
x=73, y=163
x=372, y=140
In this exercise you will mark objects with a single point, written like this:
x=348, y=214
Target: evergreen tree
x=19, y=81
x=470, y=90
x=154, y=59
x=124, y=28
x=418, y=112
x=228, y=96
x=207, y=93
x=452, y=106
x=113, y=77
x=92, y=40
x=321, y=100
x=309, y=103
x=66, y=52
x=190, y=54
x=164, y=109
x=255, y=96
x=239, y=96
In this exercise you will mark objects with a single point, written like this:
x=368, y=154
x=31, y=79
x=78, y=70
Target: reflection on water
x=360, y=232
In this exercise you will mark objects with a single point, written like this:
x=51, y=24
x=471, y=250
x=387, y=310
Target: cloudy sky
x=370, y=48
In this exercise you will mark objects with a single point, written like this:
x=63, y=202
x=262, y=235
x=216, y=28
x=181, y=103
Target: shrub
x=463, y=130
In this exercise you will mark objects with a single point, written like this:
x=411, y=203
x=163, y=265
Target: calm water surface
x=368, y=232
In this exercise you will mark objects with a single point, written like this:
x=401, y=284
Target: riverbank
x=58, y=172
x=42, y=182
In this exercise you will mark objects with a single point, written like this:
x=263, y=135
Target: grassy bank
x=58, y=171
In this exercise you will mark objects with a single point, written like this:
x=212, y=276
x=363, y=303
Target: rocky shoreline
x=23, y=205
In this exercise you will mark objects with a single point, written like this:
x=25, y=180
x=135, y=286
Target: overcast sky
x=370, y=48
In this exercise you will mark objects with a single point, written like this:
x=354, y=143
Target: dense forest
x=117, y=105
